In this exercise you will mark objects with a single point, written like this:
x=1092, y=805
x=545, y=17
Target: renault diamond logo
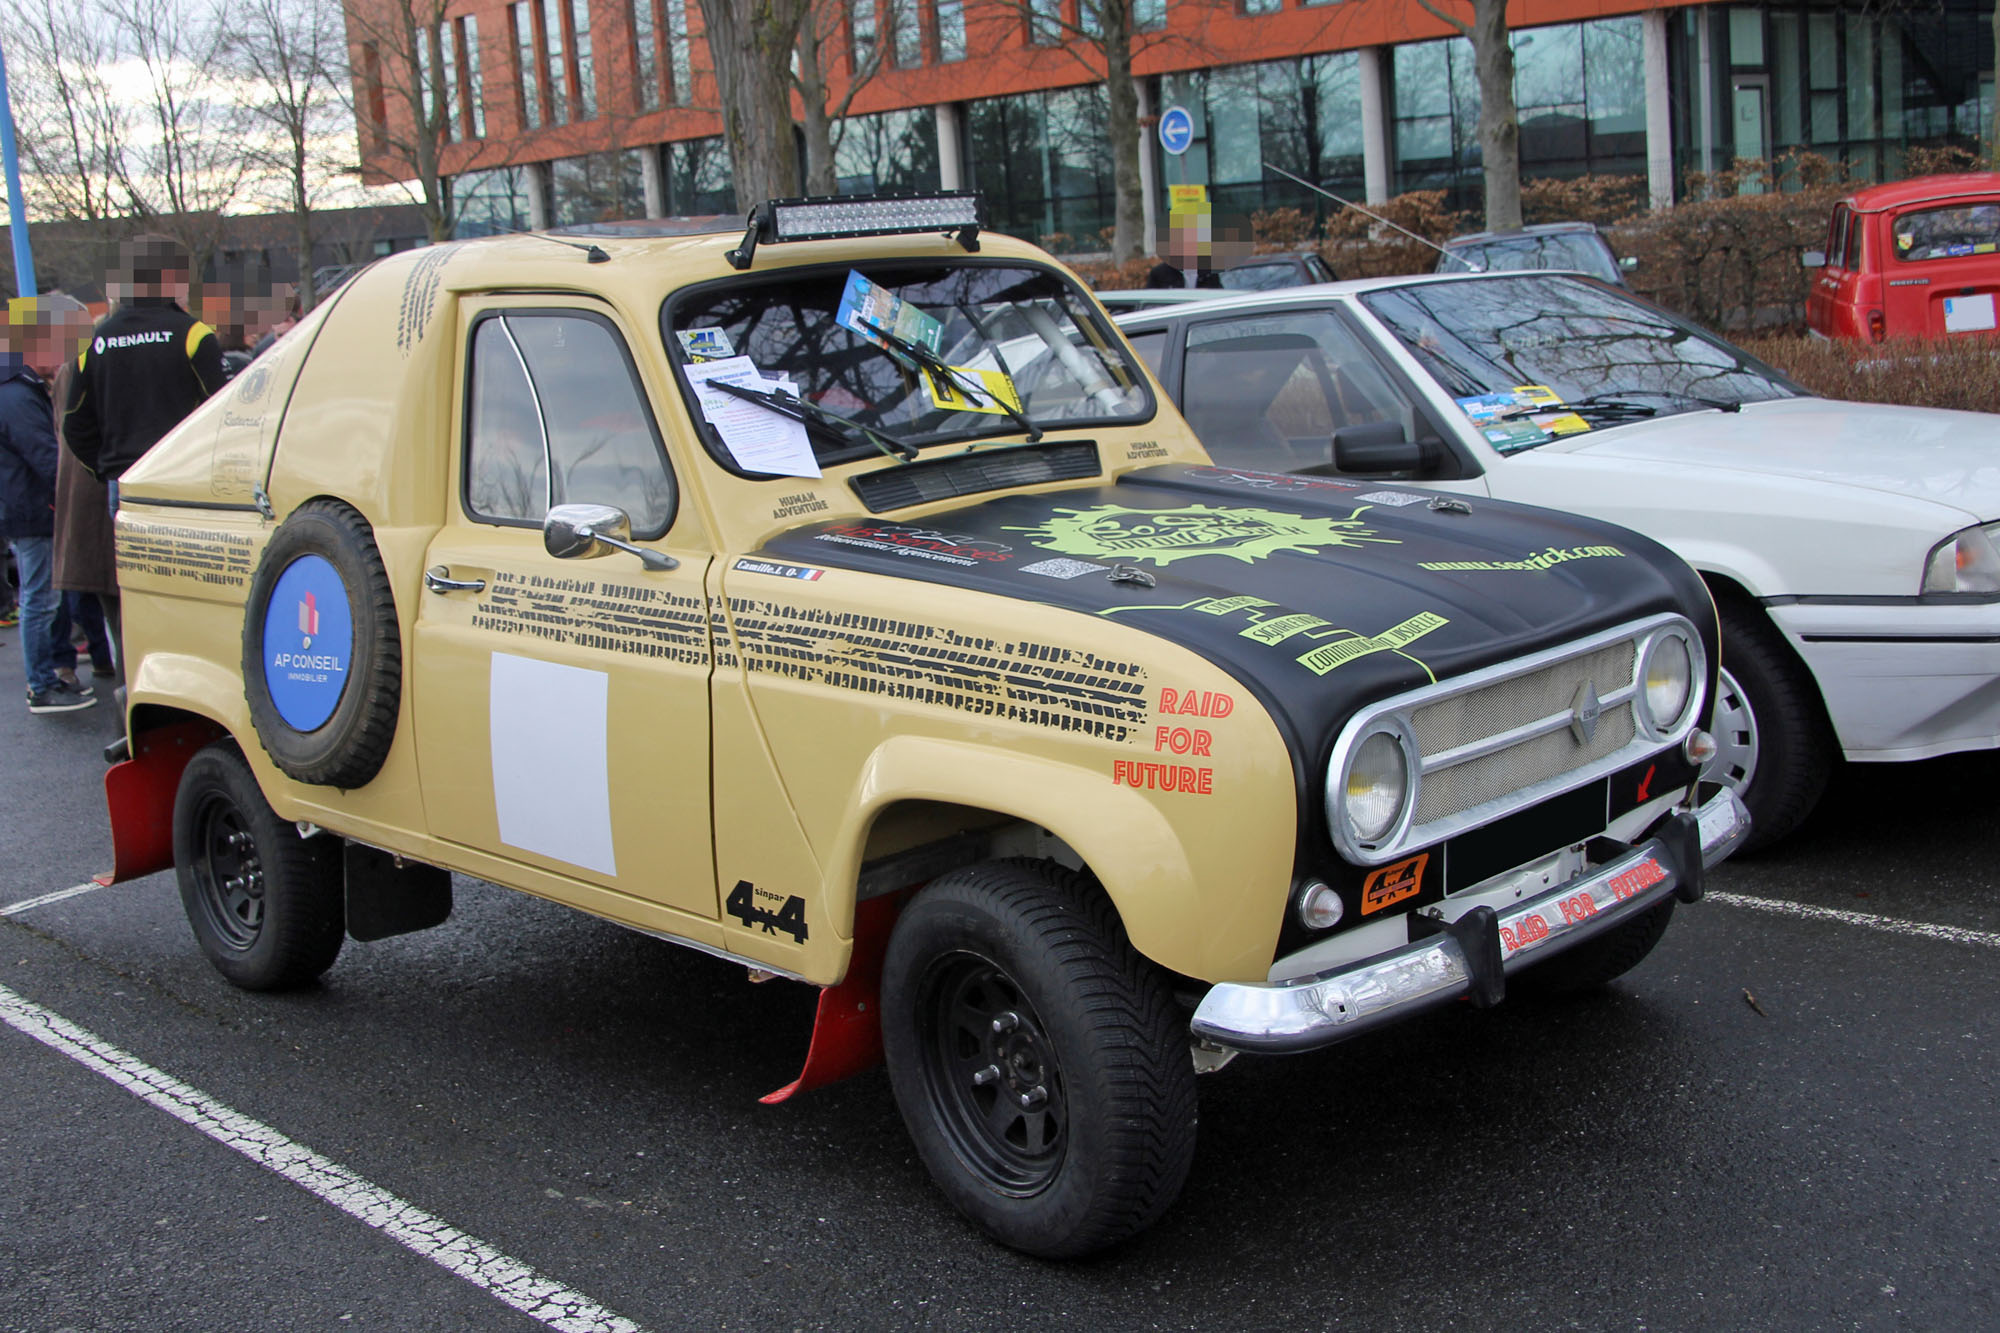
x=1584, y=710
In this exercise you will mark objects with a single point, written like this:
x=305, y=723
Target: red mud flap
x=847, y=1033
x=140, y=794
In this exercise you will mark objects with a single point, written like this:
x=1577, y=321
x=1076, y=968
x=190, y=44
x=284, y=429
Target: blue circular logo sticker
x=308, y=643
x=1176, y=130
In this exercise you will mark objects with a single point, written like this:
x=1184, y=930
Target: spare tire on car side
x=322, y=650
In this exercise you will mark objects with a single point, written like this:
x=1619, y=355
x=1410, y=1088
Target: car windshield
x=1517, y=347
x=1579, y=250
x=1949, y=233
x=1005, y=326
x=1262, y=277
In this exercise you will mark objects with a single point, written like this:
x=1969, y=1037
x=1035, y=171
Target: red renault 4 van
x=1914, y=258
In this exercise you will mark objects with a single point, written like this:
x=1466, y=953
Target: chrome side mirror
x=586, y=531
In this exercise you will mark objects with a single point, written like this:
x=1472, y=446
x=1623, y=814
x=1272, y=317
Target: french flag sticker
x=309, y=616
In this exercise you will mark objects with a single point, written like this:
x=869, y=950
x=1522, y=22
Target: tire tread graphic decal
x=173, y=551
x=613, y=617
x=1038, y=684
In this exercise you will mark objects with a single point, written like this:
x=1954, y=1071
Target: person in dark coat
x=28, y=497
x=85, y=568
x=1188, y=247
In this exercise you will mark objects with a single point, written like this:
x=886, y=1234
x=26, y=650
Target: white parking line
x=72, y=891
x=1922, y=930
x=507, y=1280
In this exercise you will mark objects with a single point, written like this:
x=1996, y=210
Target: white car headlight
x=1375, y=791
x=1965, y=562
x=1666, y=682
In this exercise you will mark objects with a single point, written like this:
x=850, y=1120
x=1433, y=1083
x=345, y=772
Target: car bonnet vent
x=969, y=474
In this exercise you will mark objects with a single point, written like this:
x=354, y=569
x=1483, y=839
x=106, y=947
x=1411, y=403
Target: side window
x=1269, y=391
x=1151, y=347
x=1855, y=226
x=1836, y=235
x=556, y=416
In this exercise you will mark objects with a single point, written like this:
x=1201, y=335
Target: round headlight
x=1669, y=681
x=1377, y=784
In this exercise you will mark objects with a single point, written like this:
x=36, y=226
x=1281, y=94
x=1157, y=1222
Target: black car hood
x=1319, y=595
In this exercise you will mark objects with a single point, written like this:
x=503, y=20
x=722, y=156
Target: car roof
x=1539, y=229
x=1923, y=190
x=1318, y=293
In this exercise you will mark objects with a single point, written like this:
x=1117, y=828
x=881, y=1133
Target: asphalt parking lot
x=1786, y=1118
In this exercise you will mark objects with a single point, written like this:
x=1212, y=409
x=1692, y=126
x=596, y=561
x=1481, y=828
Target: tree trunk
x=821, y=177
x=1121, y=97
x=750, y=43
x=1499, y=127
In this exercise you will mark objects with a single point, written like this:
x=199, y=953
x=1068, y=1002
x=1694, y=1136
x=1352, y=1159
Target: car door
x=1268, y=389
x=1820, y=312
x=562, y=706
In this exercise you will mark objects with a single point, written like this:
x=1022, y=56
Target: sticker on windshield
x=706, y=344
x=1486, y=407
x=1117, y=532
x=863, y=303
x=1536, y=395
x=1562, y=423
x=954, y=397
x=1508, y=436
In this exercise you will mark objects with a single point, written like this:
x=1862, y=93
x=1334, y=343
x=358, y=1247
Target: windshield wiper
x=939, y=367
x=812, y=414
x=1618, y=406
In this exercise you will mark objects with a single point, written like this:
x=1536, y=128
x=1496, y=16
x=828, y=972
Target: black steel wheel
x=1040, y=1064
x=994, y=1083
x=265, y=904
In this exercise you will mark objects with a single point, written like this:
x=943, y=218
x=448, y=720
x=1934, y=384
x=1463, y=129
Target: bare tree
x=288, y=55
x=183, y=167
x=72, y=130
x=1499, y=123
x=869, y=35
x=405, y=108
x=750, y=43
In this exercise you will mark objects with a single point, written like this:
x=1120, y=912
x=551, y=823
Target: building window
x=1045, y=26
x=1151, y=15
x=472, y=86
x=491, y=202
x=697, y=177
x=645, y=54
x=583, y=78
x=861, y=33
x=521, y=19
x=951, y=30
x=375, y=118
x=680, y=63
x=1260, y=6
x=549, y=25
x=906, y=31
x=893, y=151
x=1039, y=159
x=598, y=187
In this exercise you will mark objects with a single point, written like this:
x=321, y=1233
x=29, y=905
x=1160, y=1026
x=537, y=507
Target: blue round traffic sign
x=1176, y=130
x=308, y=642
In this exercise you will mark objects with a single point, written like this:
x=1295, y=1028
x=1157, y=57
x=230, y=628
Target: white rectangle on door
x=1968, y=314
x=551, y=769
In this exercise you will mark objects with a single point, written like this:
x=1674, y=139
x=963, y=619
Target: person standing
x=85, y=567
x=147, y=364
x=28, y=495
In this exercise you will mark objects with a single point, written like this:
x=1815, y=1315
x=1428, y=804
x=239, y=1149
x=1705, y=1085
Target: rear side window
x=1948, y=233
x=1836, y=234
x=555, y=415
x=1151, y=347
x=1855, y=226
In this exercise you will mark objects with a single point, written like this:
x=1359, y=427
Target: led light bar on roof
x=955, y=213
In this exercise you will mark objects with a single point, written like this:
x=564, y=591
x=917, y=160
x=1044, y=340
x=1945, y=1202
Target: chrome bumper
x=1470, y=957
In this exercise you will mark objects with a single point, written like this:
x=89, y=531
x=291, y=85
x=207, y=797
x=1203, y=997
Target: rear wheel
x=265, y=904
x=1040, y=1064
x=1773, y=745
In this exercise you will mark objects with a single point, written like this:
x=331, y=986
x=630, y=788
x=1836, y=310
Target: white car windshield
x=1598, y=353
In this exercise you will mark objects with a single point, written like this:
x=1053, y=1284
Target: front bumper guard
x=1472, y=955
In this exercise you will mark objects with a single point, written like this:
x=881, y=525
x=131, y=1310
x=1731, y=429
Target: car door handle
x=439, y=580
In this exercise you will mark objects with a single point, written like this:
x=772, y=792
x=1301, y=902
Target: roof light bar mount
x=957, y=214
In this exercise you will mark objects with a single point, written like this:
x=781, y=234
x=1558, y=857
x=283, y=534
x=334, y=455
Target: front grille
x=1002, y=468
x=1503, y=738
x=1523, y=701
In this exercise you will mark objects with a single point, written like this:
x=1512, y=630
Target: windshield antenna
x=1349, y=203
x=593, y=253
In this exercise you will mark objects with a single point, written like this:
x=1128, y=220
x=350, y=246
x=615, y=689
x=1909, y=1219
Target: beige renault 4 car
x=844, y=599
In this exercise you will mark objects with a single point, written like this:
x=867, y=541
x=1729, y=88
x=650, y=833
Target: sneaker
x=60, y=699
x=67, y=675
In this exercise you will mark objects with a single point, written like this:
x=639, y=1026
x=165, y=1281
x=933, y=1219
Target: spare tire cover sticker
x=308, y=642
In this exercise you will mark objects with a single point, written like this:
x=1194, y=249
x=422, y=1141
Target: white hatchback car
x=1850, y=547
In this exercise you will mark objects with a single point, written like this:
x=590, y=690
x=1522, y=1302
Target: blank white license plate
x=1968, y=314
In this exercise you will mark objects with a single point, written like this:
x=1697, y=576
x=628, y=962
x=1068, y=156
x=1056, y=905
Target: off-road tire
x=265, y=904
x=350, y=747
x=1597, y=960
x=1795, y=746
x=1093, y=1024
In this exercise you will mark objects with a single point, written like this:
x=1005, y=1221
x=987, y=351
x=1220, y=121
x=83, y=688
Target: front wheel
x=266, y=905
x=1773, y=746
x=1040, y=1064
